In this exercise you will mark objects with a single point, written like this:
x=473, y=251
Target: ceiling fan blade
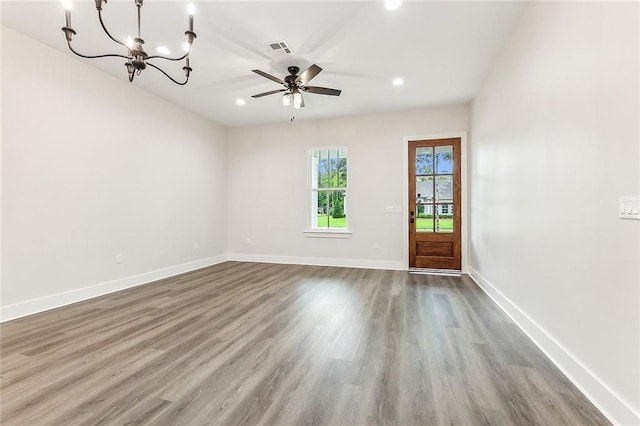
x=259, y=95
x=269, y=76
x=308, y=74
x=322, y=90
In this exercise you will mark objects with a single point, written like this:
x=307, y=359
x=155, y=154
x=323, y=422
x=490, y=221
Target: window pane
x=330, y=211
x=444, y=217
x=342, y=173
x=330, y=168
x=444, y=189
x=424, y=161
x=331, y=155
x=323, y=168
x=321, y=210
x=337, y=216
x=444, y=159
x=424, y=219
x=424, y=189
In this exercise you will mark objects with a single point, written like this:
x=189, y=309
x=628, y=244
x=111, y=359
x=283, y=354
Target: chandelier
x=137, y=58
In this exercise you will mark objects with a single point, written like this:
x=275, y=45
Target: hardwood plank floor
x=262, y=344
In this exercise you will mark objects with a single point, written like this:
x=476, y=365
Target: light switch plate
x=629, y=207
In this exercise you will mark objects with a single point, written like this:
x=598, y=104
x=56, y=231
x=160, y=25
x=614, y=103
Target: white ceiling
x=442, y=50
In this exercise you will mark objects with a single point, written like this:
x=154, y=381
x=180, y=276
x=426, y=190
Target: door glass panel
x=444, y=189
x=424, y=161
x=444, y=159
x=424, y=189
x=444, y=218
x=424, y=219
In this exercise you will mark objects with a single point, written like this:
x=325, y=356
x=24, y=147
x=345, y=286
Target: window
x=328, y=189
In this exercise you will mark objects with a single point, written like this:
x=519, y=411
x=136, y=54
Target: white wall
x=554, y=142
x=92, y=167
x=268, y=198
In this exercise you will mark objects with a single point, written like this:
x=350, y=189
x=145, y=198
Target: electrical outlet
x=196, y=246
x=248, y=240
x=376, y=245
x=118, y=258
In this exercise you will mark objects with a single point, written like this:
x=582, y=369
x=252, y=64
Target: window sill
x=327, y=233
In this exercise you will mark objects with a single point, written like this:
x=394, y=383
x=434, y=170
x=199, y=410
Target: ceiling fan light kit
x=294, y=98
x=137, y=58
x=286, y=100
x=295, y=84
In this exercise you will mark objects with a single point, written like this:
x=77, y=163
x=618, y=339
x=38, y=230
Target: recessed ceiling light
x=240, y=102
x=397, y=82
x=392, y=4
x=162, y=50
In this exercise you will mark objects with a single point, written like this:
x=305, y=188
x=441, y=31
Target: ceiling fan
x=295, y=84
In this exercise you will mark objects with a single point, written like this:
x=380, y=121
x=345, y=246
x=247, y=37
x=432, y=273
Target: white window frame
x=312, y=230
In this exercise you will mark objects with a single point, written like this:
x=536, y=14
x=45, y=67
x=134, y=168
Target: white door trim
x=464, y=181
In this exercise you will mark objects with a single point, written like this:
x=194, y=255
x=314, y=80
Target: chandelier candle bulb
x=191, y=10
x=67, y=13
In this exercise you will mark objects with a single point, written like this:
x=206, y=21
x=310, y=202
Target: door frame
x=464, y=193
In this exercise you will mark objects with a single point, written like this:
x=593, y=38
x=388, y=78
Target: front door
x=434, y=204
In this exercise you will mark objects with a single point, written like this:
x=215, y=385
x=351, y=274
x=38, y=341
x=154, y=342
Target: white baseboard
x=614, y=407
x=61, y=299
x=317, y=261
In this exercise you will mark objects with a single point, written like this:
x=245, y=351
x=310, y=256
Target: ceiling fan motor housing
x=290, y=80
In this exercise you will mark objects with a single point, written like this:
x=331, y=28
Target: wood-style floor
x=248, y=344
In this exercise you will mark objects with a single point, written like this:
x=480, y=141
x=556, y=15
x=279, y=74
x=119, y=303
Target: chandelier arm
x=110, y=55
x=168, y=76
x=168, y=59
x=104, y=28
